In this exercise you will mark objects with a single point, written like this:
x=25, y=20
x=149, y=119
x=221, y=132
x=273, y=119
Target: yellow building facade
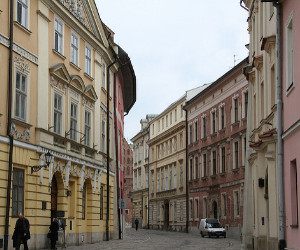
x=60, y=64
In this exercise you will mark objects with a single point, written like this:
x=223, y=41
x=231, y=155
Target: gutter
x=11, y=137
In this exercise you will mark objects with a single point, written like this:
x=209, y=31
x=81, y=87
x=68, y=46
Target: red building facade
x=217, y=120
x=128, y=181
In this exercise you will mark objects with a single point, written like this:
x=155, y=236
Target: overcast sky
x=174, y=45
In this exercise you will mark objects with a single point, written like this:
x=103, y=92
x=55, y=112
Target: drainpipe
x=11, y=137
x=186, y=172
x=282, y=242
x=107, y=147
x=117, y=159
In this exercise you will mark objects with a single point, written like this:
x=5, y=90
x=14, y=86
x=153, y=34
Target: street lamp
x=48, y=157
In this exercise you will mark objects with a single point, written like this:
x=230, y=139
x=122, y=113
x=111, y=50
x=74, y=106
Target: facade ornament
x=14, y=131
x=99, y=180
x=88, y=174
x=42, y=163
x=82, y=179
x=95, y=180
x=68, y=168
x=58, y=84
x=22, y=63
x=74, y=171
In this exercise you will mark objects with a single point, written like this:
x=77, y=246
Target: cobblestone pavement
x=154, y=239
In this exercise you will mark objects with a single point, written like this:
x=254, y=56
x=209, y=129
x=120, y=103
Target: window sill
x=290, y=89
x=88, y=76
x=203, y=139
x=235, y=170
x=22, y=27
x=21, y=123
x=213, y=176
x=222, y=130
x=222, y=174
x=59, y=54
x=75, y=66
x=294, y=226
x=213, y=134
x=204, y=178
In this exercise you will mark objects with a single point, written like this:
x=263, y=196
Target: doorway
x=215, y=209
x=54, y=192
x=166, y=215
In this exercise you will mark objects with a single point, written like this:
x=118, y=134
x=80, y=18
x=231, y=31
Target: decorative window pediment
x=90, y=92
x=77, y=83
x=60, y=72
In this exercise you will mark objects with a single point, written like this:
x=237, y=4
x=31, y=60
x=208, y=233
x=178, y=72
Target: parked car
x=211, y=227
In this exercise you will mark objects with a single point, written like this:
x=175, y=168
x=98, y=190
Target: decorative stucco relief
x=25, y=134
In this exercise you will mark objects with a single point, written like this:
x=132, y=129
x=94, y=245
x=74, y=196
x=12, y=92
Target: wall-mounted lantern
x=48, y=159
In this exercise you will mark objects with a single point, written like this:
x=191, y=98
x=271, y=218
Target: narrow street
x=154, y=239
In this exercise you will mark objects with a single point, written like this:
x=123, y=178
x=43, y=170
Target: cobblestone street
x=154, y=239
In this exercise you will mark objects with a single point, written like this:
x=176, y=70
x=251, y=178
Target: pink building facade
x=217, y=121
x=291, y=118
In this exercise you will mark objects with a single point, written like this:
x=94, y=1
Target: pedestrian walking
x=21, y=233
x=136, y=224
x=53, y=233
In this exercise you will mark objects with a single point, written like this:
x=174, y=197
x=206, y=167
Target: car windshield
x=213, y=225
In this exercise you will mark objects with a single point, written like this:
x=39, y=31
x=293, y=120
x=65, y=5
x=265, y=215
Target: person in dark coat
x=21, y=233
x=136, y=224
x=54, y=233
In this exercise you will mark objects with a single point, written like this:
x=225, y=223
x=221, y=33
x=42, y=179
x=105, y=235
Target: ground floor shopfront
x=70, y=189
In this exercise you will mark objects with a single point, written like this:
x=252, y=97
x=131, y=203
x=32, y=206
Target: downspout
x=117, y=159
x=282, y=242
x=11, y=137
x=148, y=224
x=107, y=148
x=186, y=172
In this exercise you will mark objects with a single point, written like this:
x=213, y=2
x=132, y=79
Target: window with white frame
x=158, y=181
x=203, y=127
x=205, y=214
x=171, y=117
x=152, y=182
x=204, y=165
x=289, y=54
x=181, y=176
x=175, y=143
x=87, y=128
x=58, y=36
x=22, y=12
x=103, y=75
x=167, y=179
x=88, y=60
x=171, y=146
x=213, y=121
x=236, y=203
x=74, y=49
x=235, y=110
x=181, y=114
x=181, y=140
x=214, y=162
x=196, y=208
x=73, y=122
x=140, y=178
x=196, y=168
x=175, y=176
x=245, y=104
x=146, y=178
x=196, y=130
x=21, y=96
x=175, y=115
x=222, y=117
x=167, y=118
x=191, y=209
x=162, y=123
x=158, y=127
x=191, y=169
x=103, y=138
x=162, y=180
x=236, y=155
x=171, y=178
x=57, y=117
x=223, y=159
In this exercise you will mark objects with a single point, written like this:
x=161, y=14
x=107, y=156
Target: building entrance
x=54, y=191
x=215, y=209
x=166, y=215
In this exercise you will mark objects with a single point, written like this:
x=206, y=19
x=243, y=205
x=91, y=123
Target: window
x=58, y=36
x=236, y=204
x=171, y=146
x=73, y=122
x=196, y=130
x=103, y=137
x=152, y=182
x=175, y=115
x=103, y=75
x=171, y=118
x=236, y=155
x=175, y=176
x=191, y=133
x=236, y=110
x=140, y=179
x=181, y=211
x=175, y=211
x=83, y=205
x=181, y=140
x=214, y=154
x=191, y=209
x=57, y=113
x=158, y=181
x=152, y=129
x=213, y=114
x=204, y=166
x=223, y=159
x=152, y=154
x=158, y=128
x=87, y=128
x=146, y=178
x=223, y=201
x=74, y=49
x=204, y=126
x=191, y=169
x=294, y=193
x=289, y=54
x=175, y=143
x=246, y=104
x=196, y=203
x=181, y=110
x=167, y=121
x=21, y=96
x=22, y=12
x=196, y=168
x=88, y=59
x=205, y=207
x=163, y=123
x=171, y=177
x=222, y=125
x=18, y=192
x=162, y=180
x=101, y=203
x=167, y=180
x=181, y=176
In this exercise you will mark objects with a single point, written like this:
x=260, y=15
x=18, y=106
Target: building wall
x=216, y=190
x=78, y=164
x=291, y=135
x=261, y=227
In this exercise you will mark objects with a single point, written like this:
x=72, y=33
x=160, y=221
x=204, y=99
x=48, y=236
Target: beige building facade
x=60, y=81
x=261, y=225
x=141, y=174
